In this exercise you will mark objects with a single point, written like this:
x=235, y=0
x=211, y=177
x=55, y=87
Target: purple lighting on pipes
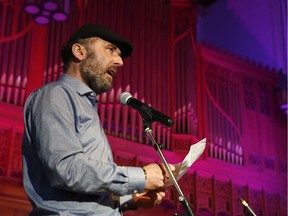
x=44, y=10
x=43, y=18
x=32, y=9
x=284, y=106
x=62, y=15
x=50, y=5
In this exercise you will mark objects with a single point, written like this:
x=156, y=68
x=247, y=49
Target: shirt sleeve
x=66, y=165
x=127, y=203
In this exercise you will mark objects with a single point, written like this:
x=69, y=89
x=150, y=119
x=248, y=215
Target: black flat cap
x=94, y=30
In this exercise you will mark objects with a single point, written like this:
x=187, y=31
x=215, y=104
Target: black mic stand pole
x=182, y=199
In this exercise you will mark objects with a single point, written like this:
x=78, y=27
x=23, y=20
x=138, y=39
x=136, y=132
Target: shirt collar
x=79, y=86
x=75, y=83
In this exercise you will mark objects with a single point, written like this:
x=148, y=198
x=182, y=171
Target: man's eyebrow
x=114, y=47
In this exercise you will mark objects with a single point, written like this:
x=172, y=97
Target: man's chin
x=102, y=90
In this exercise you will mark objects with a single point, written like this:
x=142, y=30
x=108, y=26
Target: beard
x=94, y=74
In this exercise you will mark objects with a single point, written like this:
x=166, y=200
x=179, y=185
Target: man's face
x=100, y=65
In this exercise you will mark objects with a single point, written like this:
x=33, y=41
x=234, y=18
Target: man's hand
x=156, y=176
x=148, y=199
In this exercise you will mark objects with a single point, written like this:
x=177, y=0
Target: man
x=68, y=167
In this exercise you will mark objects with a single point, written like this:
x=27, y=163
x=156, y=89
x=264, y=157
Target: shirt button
x=135, y=191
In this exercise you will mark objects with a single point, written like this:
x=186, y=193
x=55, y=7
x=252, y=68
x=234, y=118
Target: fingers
x=172, y=167
x=165, y=172
x=157, y=197
x=148, y=199
x=157, y=176
x=161, y=193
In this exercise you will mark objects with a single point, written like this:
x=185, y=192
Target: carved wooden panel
x=5, y=137
x=249, y=93
x=182, y=142
x=187, y=183
x=223, y=205
x=238, y=193
x=272, y=206
x=256, y=201
x=16, y=156
x=204, y=195
x=264, y=98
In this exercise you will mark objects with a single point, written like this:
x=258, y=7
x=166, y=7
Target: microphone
x=147, y=112
x=245, y=204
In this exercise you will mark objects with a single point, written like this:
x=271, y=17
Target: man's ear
x=79, y=51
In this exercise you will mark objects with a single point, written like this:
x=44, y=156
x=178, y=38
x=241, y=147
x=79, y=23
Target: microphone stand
x=182, y=199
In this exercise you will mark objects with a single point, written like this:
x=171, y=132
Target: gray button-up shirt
x=68, y=167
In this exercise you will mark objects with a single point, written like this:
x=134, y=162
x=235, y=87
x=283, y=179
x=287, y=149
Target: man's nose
x=118, y=61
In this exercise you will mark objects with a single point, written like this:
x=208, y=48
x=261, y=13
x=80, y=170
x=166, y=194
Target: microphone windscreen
x=124, y=97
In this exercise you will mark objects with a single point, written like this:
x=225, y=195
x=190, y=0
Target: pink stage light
x=44, y=11
x=32, y=7
x=51, y=5
x=43, y=18
x=62, y=14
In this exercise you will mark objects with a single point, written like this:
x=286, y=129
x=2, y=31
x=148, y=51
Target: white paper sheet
x=194, y=153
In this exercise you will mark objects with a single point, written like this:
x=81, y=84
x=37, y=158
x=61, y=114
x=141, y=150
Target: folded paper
x=194, y=153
